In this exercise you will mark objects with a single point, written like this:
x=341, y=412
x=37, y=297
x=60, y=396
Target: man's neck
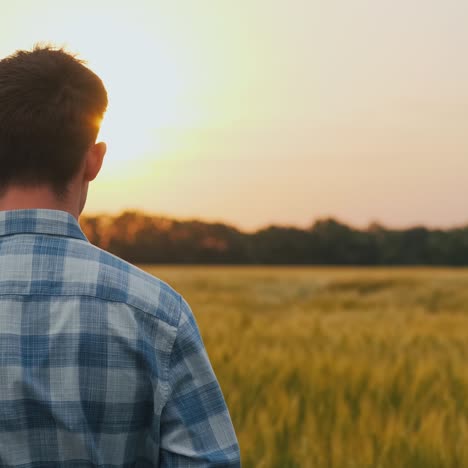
x=20, y=198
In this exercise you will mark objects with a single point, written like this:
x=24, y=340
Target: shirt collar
x=40, y=221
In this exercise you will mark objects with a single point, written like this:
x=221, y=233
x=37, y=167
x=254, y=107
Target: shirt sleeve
x=196, y=428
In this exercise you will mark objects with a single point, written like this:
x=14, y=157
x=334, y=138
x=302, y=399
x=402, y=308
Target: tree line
x=142, y=238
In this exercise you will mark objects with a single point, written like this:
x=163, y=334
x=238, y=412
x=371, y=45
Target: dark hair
x=51, y=106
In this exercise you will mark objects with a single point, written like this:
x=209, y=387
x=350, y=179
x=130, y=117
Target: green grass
x=337, y=368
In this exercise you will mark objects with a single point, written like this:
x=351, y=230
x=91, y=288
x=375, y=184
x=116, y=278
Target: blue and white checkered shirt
x=101, y=364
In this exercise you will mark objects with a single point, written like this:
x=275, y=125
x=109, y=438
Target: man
x=101, y=364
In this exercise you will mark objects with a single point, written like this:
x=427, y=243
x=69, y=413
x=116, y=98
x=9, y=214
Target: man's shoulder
x=118, y=280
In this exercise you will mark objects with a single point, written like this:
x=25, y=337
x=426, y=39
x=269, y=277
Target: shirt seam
x=45, y=233
x=99, y=298
x=166, y=385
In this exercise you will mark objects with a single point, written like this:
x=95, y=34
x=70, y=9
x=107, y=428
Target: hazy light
x=257, y=112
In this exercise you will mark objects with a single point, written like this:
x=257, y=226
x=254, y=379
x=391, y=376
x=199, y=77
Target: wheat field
x=337, y=367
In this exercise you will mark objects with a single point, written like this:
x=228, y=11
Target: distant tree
x=141, y=238
x=282, y=246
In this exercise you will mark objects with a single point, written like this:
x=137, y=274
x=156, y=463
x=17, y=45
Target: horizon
x=306, y=226
x=273, y=114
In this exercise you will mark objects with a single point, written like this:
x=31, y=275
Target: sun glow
x=141, y=100
x=146, y=90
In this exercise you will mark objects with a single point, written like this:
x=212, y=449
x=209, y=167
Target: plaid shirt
x=101, y=364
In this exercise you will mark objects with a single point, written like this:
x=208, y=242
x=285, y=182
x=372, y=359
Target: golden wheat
x=337, y=368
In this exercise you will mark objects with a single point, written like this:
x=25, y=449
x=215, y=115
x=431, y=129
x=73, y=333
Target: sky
x=256, y=112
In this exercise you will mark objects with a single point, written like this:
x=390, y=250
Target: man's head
x=51, y=106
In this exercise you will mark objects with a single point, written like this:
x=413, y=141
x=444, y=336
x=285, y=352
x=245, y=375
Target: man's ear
x=94, y=158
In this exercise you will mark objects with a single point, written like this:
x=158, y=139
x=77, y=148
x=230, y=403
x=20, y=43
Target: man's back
x=101, y=364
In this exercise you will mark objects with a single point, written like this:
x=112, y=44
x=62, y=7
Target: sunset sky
x=255, y=112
